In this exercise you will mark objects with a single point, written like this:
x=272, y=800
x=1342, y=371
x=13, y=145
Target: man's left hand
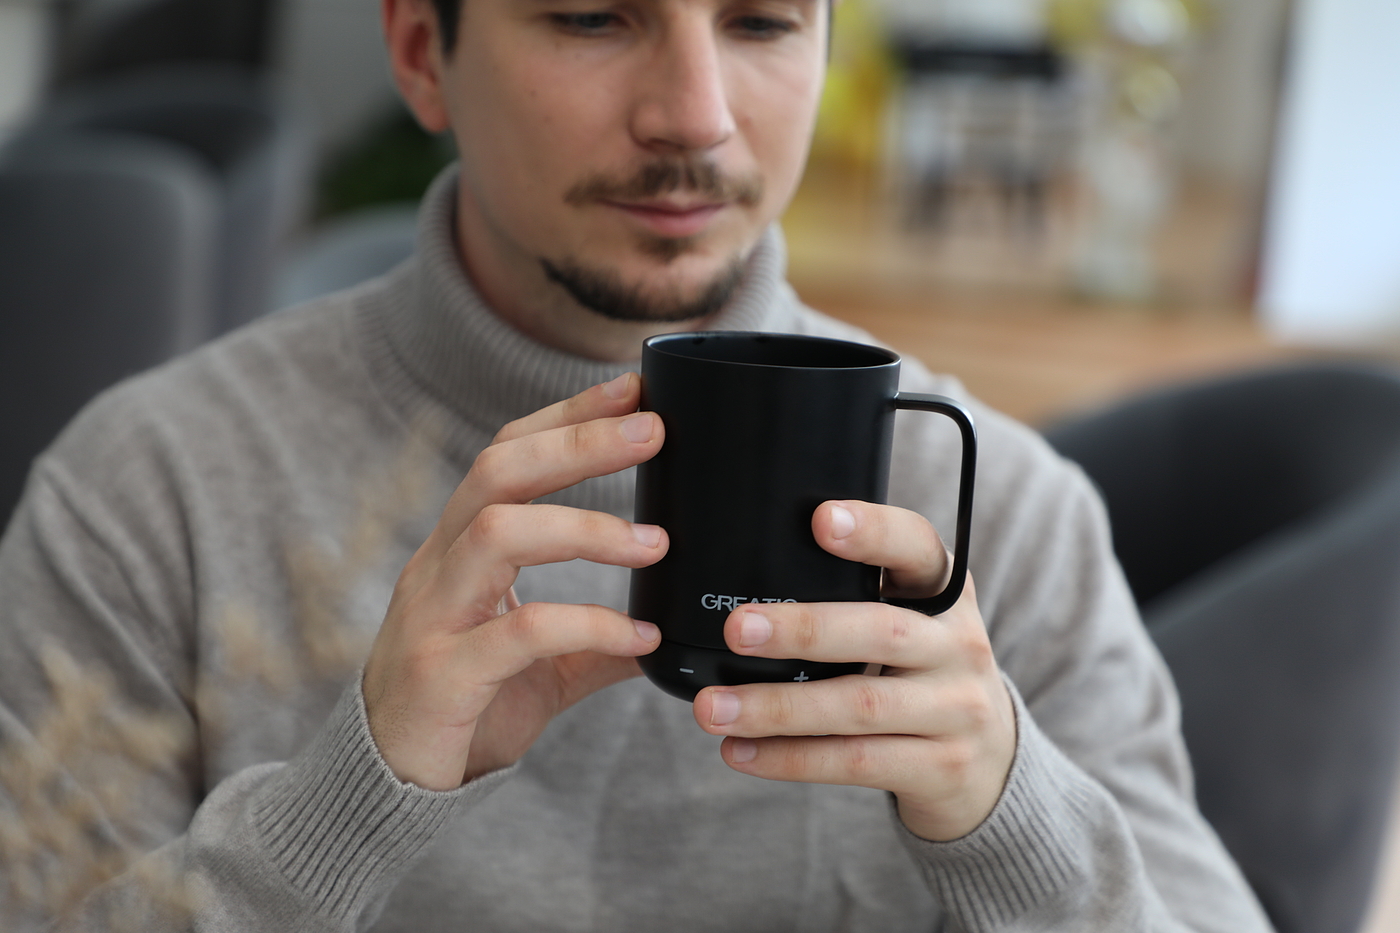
x=937, y=728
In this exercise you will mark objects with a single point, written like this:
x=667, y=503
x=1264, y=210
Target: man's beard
x=603, y=291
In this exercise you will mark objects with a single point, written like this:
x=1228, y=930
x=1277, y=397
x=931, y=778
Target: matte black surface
x=682, y=670
x=1258, y=521
x=760, y=430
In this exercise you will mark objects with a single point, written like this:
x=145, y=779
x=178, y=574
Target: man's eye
x=762, y=27
x=585, y=24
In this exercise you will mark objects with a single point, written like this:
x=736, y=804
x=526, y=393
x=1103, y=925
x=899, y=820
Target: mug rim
x=659, y=344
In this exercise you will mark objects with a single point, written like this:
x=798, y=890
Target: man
x=497, y=766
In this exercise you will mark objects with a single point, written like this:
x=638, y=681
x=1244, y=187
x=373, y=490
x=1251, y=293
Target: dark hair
x=448, y=12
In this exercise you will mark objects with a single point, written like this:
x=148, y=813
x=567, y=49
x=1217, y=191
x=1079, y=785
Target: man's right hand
x=462, y=679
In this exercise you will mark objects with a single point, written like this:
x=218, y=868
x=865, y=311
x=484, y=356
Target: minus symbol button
x=686, y=670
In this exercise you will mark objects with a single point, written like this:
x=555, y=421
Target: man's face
x=629, y=153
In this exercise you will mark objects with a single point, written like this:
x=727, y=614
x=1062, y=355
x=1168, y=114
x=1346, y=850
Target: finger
x=546, y=461
x=508, y=644
x=587, y=672
x=876, y=633
x=607, y=400
x=902, y=542
x=482, y=564
x=498, y=740
x=886, y=762
x=851, y=705
x=537, y=464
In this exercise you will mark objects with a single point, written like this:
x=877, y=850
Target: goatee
x=604, y=292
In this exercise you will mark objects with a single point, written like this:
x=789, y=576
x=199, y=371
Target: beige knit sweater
x=217, y=539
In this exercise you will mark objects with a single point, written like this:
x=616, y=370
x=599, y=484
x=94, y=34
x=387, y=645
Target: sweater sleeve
x=1058, y=852
x=121, y=834
x=1097, y=828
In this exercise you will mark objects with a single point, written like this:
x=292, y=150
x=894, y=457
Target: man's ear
x=416, y=59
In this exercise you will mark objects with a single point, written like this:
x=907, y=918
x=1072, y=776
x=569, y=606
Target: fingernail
x=618, y=387
x=842, y=522
x=638, y=428
x=724, y=708
x=647, y=630
x=754, y=629
x=647, y=535
x=742, y=750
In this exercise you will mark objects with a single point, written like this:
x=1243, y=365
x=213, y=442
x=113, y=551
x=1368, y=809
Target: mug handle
x=938, y=404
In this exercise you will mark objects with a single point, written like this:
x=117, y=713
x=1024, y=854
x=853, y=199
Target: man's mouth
x=670, y=218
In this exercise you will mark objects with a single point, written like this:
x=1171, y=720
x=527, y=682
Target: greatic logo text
x=727, y=603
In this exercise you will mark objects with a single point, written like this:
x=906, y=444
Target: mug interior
x=783, y=350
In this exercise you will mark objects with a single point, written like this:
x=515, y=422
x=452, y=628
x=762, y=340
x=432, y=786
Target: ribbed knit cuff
x=1033, y=856
x=338, y=823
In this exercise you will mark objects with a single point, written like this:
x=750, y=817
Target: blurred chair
x=348, y=250
x=99, y=38
x=1257, y=518
x=105, y=251
x=247, y=134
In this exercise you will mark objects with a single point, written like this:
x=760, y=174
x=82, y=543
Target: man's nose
x=682, y=102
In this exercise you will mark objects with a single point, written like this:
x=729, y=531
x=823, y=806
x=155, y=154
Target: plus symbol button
x=802, y=677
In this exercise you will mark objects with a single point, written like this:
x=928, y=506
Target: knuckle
x=803, y=633
x=594, y=526
x=935, y=552
x=976, y=708
x=490, y=526
x=576, y=408
x=955, y=761
x=579, y=441
x=869, y=706
x=778, y=707
x=490, y=471
x=898, y=629
x=976, y=649
x=527, y=624
x=980, y=716
x=597, y=620
x=931, y=535
x=792, y=757
x=860, y=761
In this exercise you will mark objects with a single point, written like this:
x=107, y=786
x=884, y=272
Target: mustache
x=664, y=176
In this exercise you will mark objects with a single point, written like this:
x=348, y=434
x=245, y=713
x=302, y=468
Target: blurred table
x=989, y=303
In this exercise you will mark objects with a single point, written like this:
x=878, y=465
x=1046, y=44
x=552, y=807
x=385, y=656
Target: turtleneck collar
x=436, y=344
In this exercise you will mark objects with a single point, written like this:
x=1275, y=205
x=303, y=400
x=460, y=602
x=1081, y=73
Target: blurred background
x=1064, y=202
x=1057, y=199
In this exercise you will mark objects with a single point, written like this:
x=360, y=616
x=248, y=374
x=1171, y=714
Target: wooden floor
x=997, y=311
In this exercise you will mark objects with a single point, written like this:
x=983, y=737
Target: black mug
x=760, y=430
